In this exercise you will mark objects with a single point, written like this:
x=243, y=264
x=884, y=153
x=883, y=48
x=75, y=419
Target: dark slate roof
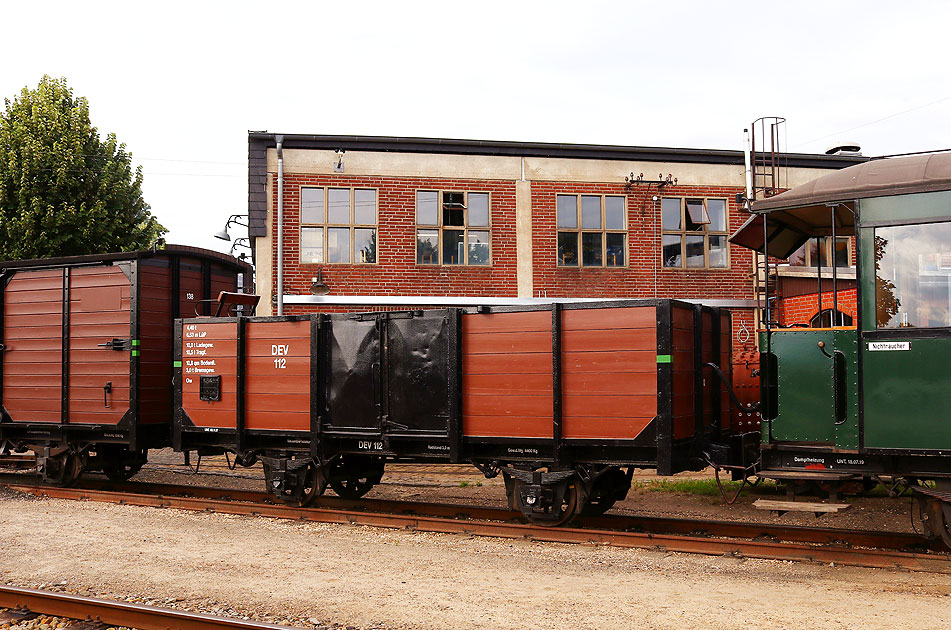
x=260, y=141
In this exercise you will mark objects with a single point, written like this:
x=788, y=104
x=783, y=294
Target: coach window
x=694, y=233
x=592, y=230
x=338, y=225
x=452, y=228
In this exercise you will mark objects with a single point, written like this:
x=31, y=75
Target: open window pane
x=427, y=210
x=364, y=207
x=615, y=250
x=591, y=254
x=312, y=245
x=696, y=215
x=427, y=247
x=717, y=251
x=672, y=251
x=670, y=209
x=453, y=209
x=364, y=245
x=568, y=249
x=478, y=247
x=478, y=209
x=716, y=212
x=614, y=213
x=590, y=212
x=567, y=211
x=694, y=247
x=453, y=252
x=338, y=205
x=338, y=245
x=311, y=205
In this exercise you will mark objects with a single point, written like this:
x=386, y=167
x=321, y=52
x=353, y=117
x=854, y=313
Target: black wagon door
x=353, y=385
x=417, y=372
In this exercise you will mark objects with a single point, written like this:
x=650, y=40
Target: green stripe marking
x=135, y=342
x=177, y=364
x=663, y=358
x=135, y=353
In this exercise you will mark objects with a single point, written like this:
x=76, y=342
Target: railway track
x=826, y=545
x=26, y=603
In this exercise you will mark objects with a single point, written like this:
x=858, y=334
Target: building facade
x=408, y=221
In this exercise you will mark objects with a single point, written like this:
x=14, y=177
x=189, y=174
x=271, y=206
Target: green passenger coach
x=871, y=399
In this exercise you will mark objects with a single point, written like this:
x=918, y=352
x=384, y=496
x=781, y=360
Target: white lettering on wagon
x=277, y=350
x=199, y=366
x=888, y=345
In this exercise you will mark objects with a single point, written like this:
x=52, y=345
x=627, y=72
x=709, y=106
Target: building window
x=452, y=228
x=338, y=225
x=592, y=230
x=694, y=233
x=822, y=252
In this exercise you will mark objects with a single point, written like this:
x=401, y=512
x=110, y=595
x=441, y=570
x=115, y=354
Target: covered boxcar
x=564, y=400
x=86, y=352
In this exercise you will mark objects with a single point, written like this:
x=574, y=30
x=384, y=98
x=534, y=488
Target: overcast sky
x=181, y=83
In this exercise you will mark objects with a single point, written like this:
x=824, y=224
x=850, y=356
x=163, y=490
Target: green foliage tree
x=63, y=190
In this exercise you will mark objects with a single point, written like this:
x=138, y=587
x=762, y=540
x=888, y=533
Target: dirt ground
x=334, y=576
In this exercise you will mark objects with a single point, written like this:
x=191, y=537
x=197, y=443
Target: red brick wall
x=802, y=308
x=396, y=272
x=644, y=255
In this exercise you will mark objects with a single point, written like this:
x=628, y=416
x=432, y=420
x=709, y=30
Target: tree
x=63, y=190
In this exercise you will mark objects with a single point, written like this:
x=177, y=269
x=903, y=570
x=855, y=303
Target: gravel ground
x=333, y=576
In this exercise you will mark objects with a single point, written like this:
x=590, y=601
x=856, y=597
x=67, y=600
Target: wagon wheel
x=608, y=489
x=70, y=469
x=562, y=513
x=313, y=486
x=355, y=486
x=122, y=471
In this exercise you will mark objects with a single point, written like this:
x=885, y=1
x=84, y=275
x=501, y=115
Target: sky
x=181, y=83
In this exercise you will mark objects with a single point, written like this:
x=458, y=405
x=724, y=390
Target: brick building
x=392, y=222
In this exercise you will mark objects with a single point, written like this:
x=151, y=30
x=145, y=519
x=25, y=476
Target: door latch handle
x=106, y=390
x=115, y=344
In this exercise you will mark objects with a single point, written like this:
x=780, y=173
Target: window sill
x=843, y=273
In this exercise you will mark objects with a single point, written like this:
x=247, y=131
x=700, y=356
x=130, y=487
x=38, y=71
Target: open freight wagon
x=86, y=352
x=558, y=398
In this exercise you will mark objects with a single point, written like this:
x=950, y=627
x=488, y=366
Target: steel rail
x=610, y=522
x=114, y=613
x=875, y=558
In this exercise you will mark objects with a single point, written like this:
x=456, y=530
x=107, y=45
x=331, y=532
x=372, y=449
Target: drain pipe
x=280, y=224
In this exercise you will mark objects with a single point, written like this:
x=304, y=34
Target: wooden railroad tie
x=781, y=507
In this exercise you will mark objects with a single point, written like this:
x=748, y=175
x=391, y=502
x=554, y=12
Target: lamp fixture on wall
x=338, y=166
x=232, y=220
x=318, y=286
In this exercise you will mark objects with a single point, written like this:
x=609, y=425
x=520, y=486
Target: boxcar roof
x=181, y=250
x=805, y=211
